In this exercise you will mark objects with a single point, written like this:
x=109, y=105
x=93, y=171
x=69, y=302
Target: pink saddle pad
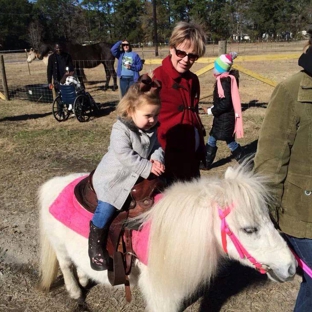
x=140, y=239
x=68, y=211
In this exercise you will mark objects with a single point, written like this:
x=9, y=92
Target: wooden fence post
x=222, y=47
x=26, y=61
x=3, y=78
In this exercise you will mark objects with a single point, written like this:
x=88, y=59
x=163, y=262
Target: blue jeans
x=232, y=144
x=125, y=83
x=103, y=214
x=303, y=248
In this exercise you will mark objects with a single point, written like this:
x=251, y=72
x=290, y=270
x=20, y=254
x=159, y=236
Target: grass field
x=34, y=147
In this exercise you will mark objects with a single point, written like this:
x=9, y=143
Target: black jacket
x=57, y=64
x=223, y=112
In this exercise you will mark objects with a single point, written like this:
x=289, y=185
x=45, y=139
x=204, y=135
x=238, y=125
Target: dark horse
x=88, y=56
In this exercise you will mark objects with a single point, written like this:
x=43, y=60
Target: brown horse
x=88, y=56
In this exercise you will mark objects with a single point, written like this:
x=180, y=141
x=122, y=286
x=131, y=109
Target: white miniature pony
x=191, y=228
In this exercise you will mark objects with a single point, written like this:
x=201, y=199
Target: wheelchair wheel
x=82, y=108
x=60, y=110
x=95, y=109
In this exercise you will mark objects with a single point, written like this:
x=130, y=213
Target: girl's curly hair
x=143, y=92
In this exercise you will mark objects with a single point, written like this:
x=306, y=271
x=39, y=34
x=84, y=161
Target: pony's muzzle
x=280, y=275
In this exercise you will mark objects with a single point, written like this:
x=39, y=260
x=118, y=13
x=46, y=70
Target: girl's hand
x=209, y=112
x=204, y=108
x=158, y=168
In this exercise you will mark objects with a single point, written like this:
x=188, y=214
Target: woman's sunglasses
x=125, y=44
x=182, y=54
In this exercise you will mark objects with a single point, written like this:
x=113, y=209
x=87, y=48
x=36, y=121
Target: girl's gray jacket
x=127, y=159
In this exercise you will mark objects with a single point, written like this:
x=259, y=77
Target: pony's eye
x=250, y=230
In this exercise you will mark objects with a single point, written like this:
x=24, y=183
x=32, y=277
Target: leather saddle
x=119, y=244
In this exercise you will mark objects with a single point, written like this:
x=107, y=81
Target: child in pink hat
x=226, y=109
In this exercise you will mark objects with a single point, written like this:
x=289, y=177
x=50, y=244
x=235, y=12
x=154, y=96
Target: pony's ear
x=228, y=173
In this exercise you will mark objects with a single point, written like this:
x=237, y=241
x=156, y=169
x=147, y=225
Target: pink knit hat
x=224, y=63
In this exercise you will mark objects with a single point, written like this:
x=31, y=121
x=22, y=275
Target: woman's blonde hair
x=134, y=99
x=194, y=33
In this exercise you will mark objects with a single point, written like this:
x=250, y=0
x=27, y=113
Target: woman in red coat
x=181, y=132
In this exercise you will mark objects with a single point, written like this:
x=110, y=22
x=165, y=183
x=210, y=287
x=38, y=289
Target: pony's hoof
x=115, y=88
x=105, y=88
x=82, y=304
x=74, y=292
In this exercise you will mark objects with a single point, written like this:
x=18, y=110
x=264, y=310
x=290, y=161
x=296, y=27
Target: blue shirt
x=136, y=66
x=127, y=59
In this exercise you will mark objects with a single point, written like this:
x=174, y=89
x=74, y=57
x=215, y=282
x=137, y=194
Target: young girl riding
x=133, y=152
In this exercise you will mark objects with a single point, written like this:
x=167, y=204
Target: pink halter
x=302, y=264
x=243, y=253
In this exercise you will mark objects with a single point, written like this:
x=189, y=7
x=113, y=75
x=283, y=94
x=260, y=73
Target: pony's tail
x=48, y=263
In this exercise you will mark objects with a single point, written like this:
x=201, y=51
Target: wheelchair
x=83, y=105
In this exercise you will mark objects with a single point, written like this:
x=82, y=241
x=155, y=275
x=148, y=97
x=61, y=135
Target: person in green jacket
x=284, y=153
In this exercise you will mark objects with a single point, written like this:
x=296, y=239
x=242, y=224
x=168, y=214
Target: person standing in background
x=284, y=154
x=129, y=65
x=59, y=63
x=226, y=110
x=181, y=133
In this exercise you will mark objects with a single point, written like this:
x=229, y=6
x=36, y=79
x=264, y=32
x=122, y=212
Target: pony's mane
x=248, y=189
x=187, y=213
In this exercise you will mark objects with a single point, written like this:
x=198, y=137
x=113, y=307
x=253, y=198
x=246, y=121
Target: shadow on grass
x=233, y=280
x=25, y=117
x=245, y=106
x=239, y=278
x=106, y=108
x=249, y=151
x=254, y=103
x=94, y=85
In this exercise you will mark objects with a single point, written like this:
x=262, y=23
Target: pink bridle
x=243, y=253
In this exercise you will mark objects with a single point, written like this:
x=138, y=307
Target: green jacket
x=285, y=153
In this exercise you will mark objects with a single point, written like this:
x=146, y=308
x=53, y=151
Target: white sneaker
x=70, y=107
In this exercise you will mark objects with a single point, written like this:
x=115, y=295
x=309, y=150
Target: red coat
x=178, y=119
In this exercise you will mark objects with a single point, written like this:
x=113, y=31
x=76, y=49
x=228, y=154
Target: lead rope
x=302, y=264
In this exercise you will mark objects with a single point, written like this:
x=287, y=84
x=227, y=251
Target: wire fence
x=28, y=81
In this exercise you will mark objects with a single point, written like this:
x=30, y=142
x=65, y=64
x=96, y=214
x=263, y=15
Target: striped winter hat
x=224, y=63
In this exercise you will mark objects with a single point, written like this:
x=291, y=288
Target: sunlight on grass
x=26, y=136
